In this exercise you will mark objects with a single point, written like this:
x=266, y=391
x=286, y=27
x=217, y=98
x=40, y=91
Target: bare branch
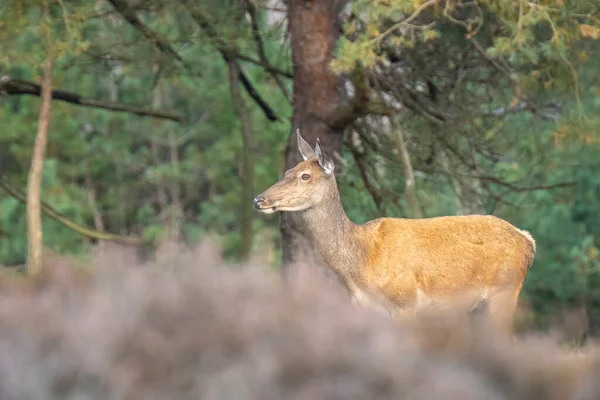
x=548, y=112
x=14, y=87
x=359, y=106
x=490, y=60
x=130, y=16
x=252, y=92
x=266, y=66
x=82, y=230
x=261, y=50
x=406, y=21
x=229, y=55
x=519, y=189
x=360, y=163
x=499, y=181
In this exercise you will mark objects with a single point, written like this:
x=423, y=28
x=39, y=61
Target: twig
x=130, y=16
x=377, y=199
x=524, y=106
x=406, y=21
x=490, y=60
x=498, y=181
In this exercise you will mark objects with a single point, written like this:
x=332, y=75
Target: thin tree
x=247, y=176
x=34, y=180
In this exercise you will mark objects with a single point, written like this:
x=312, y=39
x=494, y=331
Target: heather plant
x=192, y=326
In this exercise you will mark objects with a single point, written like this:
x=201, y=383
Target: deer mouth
x=267, y=210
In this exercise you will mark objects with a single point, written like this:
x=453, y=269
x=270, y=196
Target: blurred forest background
x=169, y=117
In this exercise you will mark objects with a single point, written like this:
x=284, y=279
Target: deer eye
x=305, y=177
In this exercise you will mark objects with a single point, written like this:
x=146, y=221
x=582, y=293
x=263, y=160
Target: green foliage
x=529, y=34
x=114, y=151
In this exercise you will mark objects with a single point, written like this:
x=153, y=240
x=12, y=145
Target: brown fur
x=476, y=257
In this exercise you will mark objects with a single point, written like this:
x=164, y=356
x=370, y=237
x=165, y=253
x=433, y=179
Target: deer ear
x=305, y=149
x=324, y=162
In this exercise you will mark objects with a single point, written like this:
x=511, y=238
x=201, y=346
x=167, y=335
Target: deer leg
x=480, y=308
x=361, y=299
x=502, y=306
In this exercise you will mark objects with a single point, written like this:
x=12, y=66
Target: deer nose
x=258, y=200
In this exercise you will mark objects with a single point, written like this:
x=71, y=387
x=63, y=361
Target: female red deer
x=405, y=260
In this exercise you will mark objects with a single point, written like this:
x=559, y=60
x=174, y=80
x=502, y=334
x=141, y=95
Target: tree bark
x=247, y=176
x=34, y=180
x=314, y=31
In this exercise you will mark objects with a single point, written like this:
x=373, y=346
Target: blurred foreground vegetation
x=188, y=327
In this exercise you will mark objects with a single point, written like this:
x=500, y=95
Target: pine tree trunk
x=34, y=181
x=314, y=31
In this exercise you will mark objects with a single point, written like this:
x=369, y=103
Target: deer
x=395, y=264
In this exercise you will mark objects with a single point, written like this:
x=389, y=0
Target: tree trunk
x=314, y=31
x=247, y=176
x=91, y=192
x=34, y=180
x=161, y=192
x=176, y=213
x=410, y=190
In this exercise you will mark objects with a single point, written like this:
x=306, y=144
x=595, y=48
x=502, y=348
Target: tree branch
x=265, y=65
x=130, y=16
x=406, y=21
x=519, y=189
x=499, y=181
x=491, y=61
x=230, y=56
x=360, y=105
x=261, y=49
x=548, y=113
x=269, y=113
x=377, y=199
x=82, y=230
x=13, y=87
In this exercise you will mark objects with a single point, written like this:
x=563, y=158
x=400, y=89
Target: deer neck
x=334, y=235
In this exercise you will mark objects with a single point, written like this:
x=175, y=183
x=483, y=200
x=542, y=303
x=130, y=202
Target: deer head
x=301, y=187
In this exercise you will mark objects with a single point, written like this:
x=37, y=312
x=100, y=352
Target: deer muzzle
x=261, y=205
